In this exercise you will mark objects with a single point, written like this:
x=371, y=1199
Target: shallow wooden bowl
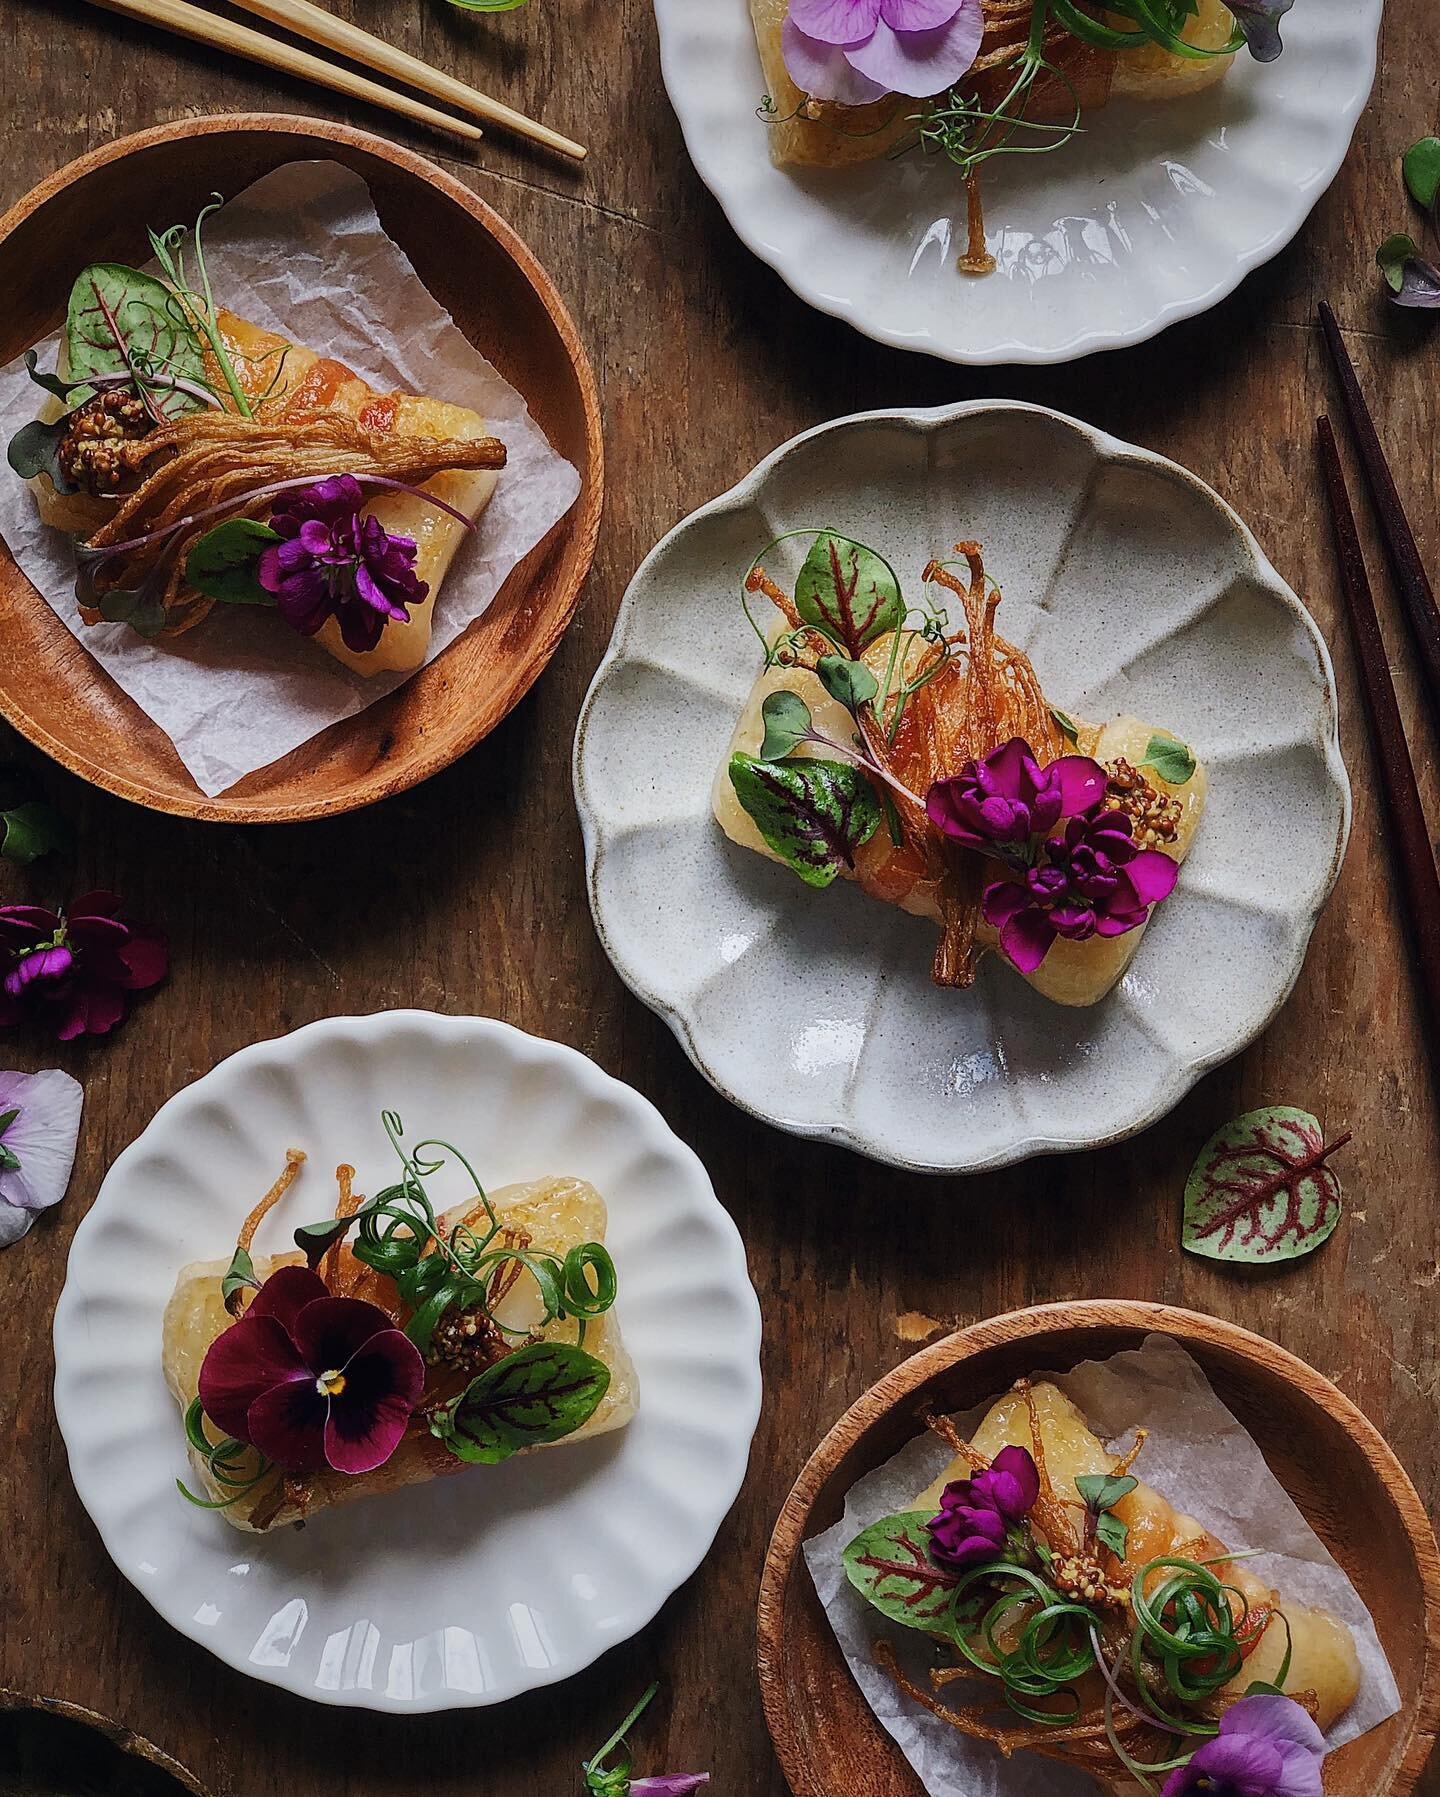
x=1335, y=1465
x=49, y=1748
x=50, y=688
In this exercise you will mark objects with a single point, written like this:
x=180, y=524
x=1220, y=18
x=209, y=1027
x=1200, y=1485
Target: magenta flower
x=1095, y=881
x=311, y=1380
x=669, y=1784
x=977, y=1514
x=1007, y=797
x=854, y=51
x=72, y=971
x=334, y=562
x=1267, y=1747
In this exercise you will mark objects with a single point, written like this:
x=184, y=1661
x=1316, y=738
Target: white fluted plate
x=469, y=1589
x=1155, y=213
x=1134, y=588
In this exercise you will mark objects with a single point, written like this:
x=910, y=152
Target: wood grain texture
x=1331, y=1460
x=467, y=893
x=52, y=690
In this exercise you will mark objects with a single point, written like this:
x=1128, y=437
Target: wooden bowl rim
x=583, y=517
x=126, y=1741
x=783, y=1554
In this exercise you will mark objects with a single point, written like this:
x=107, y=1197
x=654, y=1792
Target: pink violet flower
x=669, y=1784
x=73, y=971
x=1267, y=1747
x=39, y=1126
x=311, y=1380
x=334, y=562
x=1007, y=797
x=1095, y=881
x=977, y=1514
x=855, y=51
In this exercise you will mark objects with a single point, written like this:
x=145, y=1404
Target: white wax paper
x=1203, y=1461
x=301, y=252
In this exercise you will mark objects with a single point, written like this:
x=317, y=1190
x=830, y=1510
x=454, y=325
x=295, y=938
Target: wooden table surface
x=272, y=928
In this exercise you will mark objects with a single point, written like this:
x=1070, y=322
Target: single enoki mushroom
x=211, y=466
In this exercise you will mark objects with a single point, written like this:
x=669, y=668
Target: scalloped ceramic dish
x=466, y=1590
x=1133, y=587
x=1154, y=214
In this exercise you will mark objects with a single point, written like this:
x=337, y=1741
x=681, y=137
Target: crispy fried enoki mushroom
x=978, y=692
x=209, y=466
x=340, y=1275
x=294, y=1161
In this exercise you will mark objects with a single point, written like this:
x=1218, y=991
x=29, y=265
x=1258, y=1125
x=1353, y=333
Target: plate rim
x=67, y=1414
x=316, y=139
x=927, y=419
x=1012, y=353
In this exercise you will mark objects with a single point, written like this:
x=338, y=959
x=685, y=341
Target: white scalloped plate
x=1154, y=214
x=1133, y=587
x=467, y=1590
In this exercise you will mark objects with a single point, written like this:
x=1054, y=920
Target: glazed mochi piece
x=1072, y=973
x=839, y=135
x=1323, y=1656
x=553, y=1214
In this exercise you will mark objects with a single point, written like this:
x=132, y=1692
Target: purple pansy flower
x=336, y=562
x=1267, y=1747
x=39, y=1125
x=1095, y=881
x=311, y=1380
x=976, y=1514
x=854, y=51
x=1007, y=797
x=72, y=970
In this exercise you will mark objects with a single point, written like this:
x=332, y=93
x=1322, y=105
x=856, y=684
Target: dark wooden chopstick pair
x=1419, y=882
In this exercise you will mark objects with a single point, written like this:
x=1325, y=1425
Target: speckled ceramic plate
x=1155, y=213
x=470, y=1589
x=1133, y=587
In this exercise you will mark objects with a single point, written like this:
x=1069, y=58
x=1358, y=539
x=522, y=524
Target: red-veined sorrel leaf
x=849, y=592
x=889, y=1564
x=813, y=813
x=1262, y=1189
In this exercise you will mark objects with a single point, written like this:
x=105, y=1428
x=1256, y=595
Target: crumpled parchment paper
x=1203, y=1461
x=301, y=252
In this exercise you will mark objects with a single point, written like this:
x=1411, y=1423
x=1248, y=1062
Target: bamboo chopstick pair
x=1415, y=857
x=323, y=28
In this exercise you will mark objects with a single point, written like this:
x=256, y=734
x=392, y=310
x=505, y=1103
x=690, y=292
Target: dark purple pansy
x=1007, y=797
x=311, y=1380
x=1095, y=881
x=72, y=971
x=976, y=1514
x=1267, y=1747
x=1260, y=20
x=335, y=562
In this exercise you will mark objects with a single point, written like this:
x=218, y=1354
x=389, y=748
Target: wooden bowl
x=49, y=1748
x=54, y=693
x=1336, y=1466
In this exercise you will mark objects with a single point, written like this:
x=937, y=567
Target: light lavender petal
x=42, y=1138
x=922, y=63
x=823, y=72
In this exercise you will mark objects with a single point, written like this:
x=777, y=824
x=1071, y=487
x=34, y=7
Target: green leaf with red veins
x=534, y=1396
x=1262, y=1190
x=889, y=1564
x=814, y=814
x=849, y=592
